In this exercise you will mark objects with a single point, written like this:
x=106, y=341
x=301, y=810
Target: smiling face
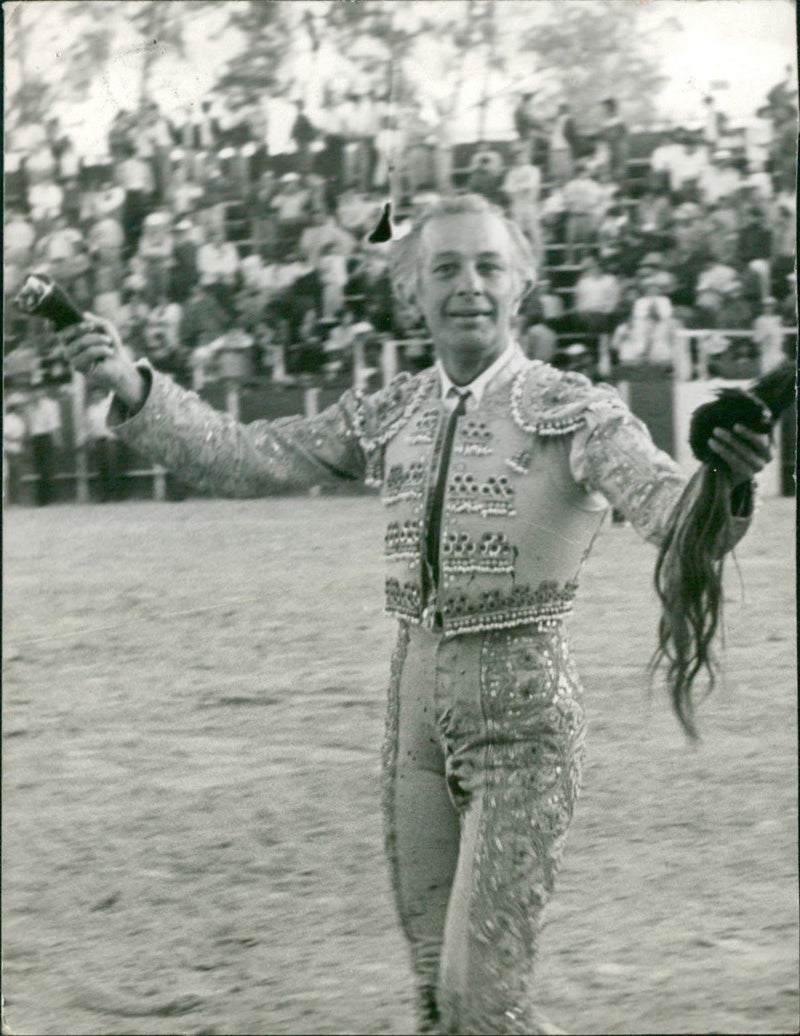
x=468, y=290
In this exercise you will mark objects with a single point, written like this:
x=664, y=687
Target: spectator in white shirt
x=218, y=266
x=596, y=298
x=14, y=434
x=768, y=336
x=522, y=186
x=582, y=199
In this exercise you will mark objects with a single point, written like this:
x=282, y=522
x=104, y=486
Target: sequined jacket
x=533, y=471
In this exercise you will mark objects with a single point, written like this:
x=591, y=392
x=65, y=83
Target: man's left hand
x=744, y=452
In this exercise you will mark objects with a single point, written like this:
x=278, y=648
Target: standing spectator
x=720, y=179
x=614, y=134
x=263, y=214
x=768, y=336
x=19, y=238
x=531, y=130
x=291, y=209
x=14, y=434
x=783, y=221
x=332, y=266
x=596, y=298
x=522, y=186
x=102, y=444
x=562, y=144
x=689, y=167
x=43, y=420
x=582, y=198
x=303, y=133
x=136, y=178
x=711, y=129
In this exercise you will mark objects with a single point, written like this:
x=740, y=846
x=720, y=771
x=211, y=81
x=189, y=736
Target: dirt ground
x=193, y=708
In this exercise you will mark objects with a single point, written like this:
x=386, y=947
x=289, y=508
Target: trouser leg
x=514, y=750
x=421, y=824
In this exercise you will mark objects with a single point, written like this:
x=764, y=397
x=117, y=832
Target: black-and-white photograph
x=399, y=515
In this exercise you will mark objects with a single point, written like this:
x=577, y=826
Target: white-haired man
x=492, y=468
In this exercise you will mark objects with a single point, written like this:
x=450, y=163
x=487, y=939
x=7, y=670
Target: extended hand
x=94, y=348
x=744, y=452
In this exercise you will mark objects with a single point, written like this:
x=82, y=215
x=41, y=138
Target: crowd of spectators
x=199, y=244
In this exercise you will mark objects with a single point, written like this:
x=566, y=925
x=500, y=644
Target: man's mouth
x=467, y=314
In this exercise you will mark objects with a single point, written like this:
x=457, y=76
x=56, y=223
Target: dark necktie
x=434, y=527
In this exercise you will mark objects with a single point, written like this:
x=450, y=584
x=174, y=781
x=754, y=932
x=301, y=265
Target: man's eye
x=444, y=268
x=490, y=267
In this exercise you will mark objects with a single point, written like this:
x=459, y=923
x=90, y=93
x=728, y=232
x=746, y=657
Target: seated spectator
x=291, y=204
x=134, y=314
x=63, y=250
x=45, y=201
x=14, y=438
x=163, y=345
x=596, y=298
x=486, y=174
x=218, y=266
x=203, y=319
x=106, y=240
x=754, y=240
x=689, y=165
x=136, y=178
x=19, y=238
x=153, y=258
x=105, y=201
x=184, y=273
x=539, y=342
x=263, y=215
x=736, y=363
x=654, y=218
x=324, y=234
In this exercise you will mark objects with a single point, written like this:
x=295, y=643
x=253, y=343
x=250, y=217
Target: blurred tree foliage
x=586, y=49
x=600, y=49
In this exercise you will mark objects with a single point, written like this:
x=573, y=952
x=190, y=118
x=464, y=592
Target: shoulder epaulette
x=547, y=401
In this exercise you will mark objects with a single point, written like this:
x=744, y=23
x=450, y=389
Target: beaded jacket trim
x=546, y=401
x=388, y=412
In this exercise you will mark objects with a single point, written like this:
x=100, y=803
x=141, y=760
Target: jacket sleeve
x=613, y=454
x=221, y=457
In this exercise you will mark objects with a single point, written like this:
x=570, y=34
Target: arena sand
x=193, y=706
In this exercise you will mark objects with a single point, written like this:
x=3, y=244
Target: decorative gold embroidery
x=473, y=438
x=546, y=606
x=531, y=768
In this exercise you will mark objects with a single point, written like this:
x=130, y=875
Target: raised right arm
x=206, y=448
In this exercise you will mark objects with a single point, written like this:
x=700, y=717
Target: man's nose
x=469, y=280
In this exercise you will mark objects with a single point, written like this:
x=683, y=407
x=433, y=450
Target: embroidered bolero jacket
x=534, y=468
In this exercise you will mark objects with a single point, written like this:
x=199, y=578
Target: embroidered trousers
x=482, y=761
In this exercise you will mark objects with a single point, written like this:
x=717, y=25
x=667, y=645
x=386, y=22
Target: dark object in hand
x=732, y=407
x=756, y=409
x=40, y=296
